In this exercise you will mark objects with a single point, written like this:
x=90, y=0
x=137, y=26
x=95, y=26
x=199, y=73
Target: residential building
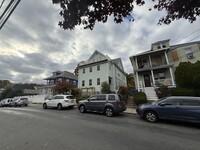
x=57, y=77
x=100, y=68
x=157, y=66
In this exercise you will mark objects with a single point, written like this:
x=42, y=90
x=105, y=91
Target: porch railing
x=167, y=81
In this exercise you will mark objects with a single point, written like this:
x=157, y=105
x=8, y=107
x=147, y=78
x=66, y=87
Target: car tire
x=82, y=109
x=59, y=106
x=45, y=106
x=151, y=116
x=109, y=112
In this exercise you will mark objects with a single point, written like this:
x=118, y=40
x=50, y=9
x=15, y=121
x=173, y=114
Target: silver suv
x=109, y=104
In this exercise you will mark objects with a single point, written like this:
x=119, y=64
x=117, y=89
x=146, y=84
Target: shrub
x=162, y=91
x=77, y=93
x=139, y=98
x=124, y=91
x=105, y=88
x=83, y=97
x=182, y=92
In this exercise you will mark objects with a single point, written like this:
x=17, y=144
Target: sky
x=32, y=45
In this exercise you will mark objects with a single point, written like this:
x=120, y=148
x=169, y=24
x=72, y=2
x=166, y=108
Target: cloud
x=32, y=45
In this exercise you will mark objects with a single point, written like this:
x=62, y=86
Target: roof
x=65, y=74
x=183, y=45
x=171, y=47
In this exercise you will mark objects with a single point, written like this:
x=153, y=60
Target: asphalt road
x=32, y=128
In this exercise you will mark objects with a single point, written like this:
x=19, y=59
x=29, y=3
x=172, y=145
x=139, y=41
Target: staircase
x=150, y=93
x=130, y=103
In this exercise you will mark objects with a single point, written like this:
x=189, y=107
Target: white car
x=60, y=101
x=5, y=102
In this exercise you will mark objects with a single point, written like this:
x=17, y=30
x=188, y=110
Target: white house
x=100, y=68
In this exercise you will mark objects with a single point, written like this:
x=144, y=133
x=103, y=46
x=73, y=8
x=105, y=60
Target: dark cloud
x=32, y=45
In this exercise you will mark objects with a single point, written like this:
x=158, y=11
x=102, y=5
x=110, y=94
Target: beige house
x=157, y=66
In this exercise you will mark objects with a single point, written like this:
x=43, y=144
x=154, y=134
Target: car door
x=190, y=109
x=91, y=103
x=100, y=102
x=51, y=101
x=169, y=109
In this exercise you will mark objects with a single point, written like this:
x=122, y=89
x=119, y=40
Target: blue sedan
x=182, y=108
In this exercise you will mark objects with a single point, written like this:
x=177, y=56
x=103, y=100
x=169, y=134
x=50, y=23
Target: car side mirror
x=88, y=100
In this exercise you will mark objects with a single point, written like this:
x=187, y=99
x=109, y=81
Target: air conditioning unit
x=190, y=56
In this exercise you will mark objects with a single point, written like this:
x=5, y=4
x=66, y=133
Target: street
x=33, y=128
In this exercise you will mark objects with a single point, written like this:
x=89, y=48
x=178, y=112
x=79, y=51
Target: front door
x=147, y=80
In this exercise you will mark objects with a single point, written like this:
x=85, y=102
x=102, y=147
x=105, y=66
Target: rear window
x=111, y=97
x=70, y=97
x=190, y=102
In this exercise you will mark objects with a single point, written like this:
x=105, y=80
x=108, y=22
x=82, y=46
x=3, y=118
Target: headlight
x=142, y=106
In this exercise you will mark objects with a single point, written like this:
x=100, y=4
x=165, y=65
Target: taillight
x=67, y=101
x=118, y=104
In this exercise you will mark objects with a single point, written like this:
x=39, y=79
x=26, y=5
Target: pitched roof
x=63, y=74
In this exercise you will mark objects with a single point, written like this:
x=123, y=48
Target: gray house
x=157, y=66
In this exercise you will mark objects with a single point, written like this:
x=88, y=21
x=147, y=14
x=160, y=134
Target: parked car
x=22, y=101
x=109, y=104
x=5, y=102
x=60, y=101
x=182, y=108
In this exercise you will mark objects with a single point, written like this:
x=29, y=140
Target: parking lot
x=34, y=128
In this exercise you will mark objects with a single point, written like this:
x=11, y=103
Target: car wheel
x=82, y=109
x=45, y=106
x=151, y=116
x=59, y=106
x=109, y=112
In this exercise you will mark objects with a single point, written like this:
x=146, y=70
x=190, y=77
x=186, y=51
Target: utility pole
x=8, y=11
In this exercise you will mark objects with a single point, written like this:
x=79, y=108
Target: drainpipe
x=171, y=73
x=167, y=60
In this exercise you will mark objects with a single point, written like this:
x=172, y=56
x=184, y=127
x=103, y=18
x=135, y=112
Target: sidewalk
x=131, y=111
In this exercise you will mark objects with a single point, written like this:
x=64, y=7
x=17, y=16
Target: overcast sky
x=32, y=45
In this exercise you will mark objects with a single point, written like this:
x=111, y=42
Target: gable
x=97, y=56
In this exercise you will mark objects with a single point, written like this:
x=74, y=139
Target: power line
x=178, y=40
x=2, y=4
x=8, y=11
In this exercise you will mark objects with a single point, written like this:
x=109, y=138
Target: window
x=90, y=69
x=93, y=98
x=70, y=97
x=83, y=70
x=90, y=82
x=171, y=102
x=59, y=97
x=101, y=97
x=190, y=102
x=98, y=81
x=161, y=75
x=83, y=83
x=98, y=67
x=111, y=97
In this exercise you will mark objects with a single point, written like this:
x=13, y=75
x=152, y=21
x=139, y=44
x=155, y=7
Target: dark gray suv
x=109, y=104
